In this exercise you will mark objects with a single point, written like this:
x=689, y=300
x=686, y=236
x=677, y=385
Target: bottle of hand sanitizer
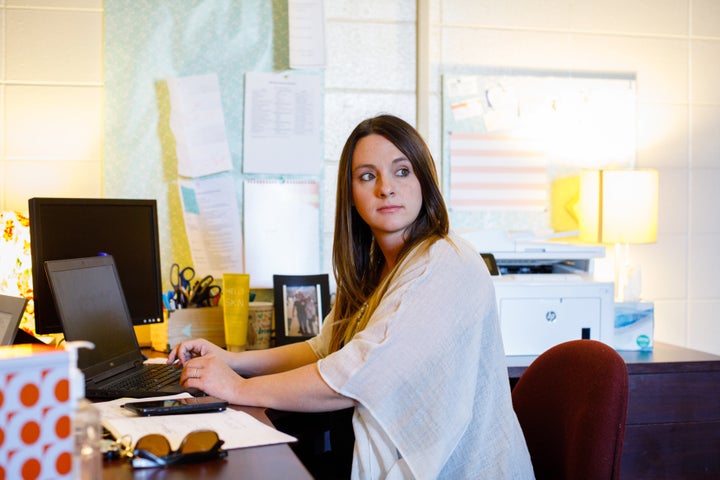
x=87, y=460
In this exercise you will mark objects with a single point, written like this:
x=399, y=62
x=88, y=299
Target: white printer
x=545, y=291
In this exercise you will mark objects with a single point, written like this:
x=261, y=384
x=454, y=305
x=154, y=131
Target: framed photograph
x=301, y=304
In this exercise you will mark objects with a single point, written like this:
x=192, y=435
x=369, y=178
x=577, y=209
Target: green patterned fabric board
x=145, y=43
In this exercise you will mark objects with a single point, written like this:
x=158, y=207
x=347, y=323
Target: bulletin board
x=148, y=42
x=508, y=137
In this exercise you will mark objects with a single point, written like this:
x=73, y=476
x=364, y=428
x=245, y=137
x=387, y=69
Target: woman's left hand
x=212, y=376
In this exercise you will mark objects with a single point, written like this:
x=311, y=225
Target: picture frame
x=301, y=304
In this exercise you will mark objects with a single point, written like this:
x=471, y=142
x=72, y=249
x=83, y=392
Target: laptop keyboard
x=151, y=377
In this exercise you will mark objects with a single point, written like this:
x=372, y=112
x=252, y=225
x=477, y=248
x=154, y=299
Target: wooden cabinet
x=673, y=423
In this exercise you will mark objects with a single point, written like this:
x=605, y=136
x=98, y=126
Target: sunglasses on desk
x=154, y=450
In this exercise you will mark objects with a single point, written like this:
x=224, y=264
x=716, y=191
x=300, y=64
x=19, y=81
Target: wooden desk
x=673, y=423
x=266, y=462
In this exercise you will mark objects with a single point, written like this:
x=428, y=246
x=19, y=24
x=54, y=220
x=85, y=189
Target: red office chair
x=572, y=405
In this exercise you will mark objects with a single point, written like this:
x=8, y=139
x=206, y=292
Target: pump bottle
x=87, y=458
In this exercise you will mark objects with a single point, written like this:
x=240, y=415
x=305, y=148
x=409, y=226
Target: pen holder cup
x=260, y=315
x=181, y=325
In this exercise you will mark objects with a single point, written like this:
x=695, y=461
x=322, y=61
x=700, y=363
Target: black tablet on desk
x=177, y=406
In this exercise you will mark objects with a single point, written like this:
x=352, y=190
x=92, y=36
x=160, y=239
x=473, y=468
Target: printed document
x=212, y=223
x=237, y=429
x=282, y=130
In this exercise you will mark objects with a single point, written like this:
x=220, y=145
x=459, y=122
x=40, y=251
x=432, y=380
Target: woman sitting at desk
x=413, y=340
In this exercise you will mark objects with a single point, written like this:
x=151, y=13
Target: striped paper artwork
x=490, y=171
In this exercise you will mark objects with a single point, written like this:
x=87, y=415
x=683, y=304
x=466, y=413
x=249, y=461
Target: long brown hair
x=357, y=260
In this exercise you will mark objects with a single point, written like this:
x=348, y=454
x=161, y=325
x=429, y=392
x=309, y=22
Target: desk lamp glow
x=15, y=262
x=620, y=207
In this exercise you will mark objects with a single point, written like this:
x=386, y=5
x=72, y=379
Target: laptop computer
x=91, y=306
x=11, y=311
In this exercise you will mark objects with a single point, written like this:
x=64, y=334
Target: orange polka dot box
x=36, y=440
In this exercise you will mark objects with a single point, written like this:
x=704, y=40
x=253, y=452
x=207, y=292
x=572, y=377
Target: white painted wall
x=51, y=104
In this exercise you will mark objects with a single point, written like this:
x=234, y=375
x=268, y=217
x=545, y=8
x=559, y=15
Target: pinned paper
x=282, y=123
x=285, y=221
x=212, y=223
x=306, y=22
x=467, y=109
x=496, y=172
x=197, y=121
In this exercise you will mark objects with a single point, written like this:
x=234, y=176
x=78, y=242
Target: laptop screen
x=11, y=311
x=91, y=306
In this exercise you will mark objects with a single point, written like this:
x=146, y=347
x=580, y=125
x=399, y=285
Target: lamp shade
x=16, y=264
x=618, y=206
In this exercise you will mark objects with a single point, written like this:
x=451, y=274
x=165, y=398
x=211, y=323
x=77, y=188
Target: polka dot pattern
x=35, y=413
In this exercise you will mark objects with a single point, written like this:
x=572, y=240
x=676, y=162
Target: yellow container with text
x=236, y=296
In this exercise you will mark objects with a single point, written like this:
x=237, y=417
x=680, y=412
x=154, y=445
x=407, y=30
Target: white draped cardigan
x=429, y=375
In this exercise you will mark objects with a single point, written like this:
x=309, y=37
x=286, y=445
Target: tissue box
x=181, y=325
x=36, y=435
x=634, y=324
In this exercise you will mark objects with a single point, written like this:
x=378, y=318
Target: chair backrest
x=572, y=405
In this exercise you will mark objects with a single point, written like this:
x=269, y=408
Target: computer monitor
x=62, y=228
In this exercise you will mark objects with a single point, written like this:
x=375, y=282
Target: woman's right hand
x=197, y=347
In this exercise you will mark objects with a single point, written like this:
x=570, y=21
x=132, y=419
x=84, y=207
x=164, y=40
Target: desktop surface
x=663, y=354
x=263, y=462
x=673, y=422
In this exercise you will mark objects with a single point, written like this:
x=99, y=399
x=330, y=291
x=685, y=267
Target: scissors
x=180, y=280
x=204, y=294
x=181, y=277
